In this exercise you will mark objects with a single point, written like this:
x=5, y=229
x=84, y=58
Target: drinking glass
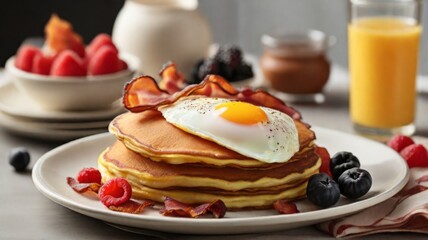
x=384, y=40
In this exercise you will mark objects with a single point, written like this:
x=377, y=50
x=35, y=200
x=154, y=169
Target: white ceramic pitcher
x=157, y=31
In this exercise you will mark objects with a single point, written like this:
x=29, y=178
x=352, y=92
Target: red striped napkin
x=405, y=212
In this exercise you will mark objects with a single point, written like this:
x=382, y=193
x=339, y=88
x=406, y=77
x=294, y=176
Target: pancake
x=149, y=134
x=122, y=162
x=196, y=183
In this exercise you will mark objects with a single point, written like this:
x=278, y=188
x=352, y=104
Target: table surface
x=26, y=214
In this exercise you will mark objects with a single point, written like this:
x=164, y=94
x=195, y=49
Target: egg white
x=271, y=142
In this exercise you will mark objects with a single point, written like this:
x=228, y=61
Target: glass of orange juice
x=383, y=40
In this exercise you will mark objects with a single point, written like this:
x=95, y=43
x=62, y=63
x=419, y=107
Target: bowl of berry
x=227, y=61
x=66, y=75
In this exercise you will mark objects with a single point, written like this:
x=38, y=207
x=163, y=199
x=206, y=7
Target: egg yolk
x=242, y=113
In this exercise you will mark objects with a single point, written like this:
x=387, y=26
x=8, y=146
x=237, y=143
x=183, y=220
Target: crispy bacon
x=131, y=206
x=176, y=208
x=83, y=187
x=172, y=80
x=325, y=159
x=143, y=93
x=285, y=207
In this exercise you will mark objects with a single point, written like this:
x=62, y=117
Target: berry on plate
x=89, y=175
x=322, y=190
x=68, y=63
x=115, y=192
x=25, y=57
x=354, y=183
x=19, y=158
x=104, y=61
x=398, y=142
x=341, y=162
x=416, y=155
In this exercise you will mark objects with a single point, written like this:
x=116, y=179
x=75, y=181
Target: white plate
x=14, y=103
x=388, y=170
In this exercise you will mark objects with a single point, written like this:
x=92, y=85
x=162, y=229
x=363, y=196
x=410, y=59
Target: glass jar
x=296, y=63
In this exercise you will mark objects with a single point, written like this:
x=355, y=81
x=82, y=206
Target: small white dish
x=389, y=172
x=30, y=131
x=13, y=103
x=72, y=93
x=6, y=119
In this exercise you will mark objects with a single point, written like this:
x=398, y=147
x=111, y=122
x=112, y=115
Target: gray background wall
x=244, y=21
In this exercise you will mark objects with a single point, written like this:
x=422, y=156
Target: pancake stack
x=160, y=160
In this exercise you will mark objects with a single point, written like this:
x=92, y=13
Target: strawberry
x=416, y=155
x=99, y=41
x=104, y=61
x=68, y=63
x=398, y=142
x=42, y=64
x=25, y=56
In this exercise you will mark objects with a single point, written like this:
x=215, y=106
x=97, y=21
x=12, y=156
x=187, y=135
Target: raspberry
x=115, y=192
x=25, y=56
x=398, y=142
x=42, y=64
x=68, y=63
x=416, y=155
x=100, y=40
x=89, y=175
x=104, y=61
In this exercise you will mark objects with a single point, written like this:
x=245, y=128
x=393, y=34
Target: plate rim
x=325, y=214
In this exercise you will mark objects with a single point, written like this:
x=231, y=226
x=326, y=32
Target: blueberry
x=322, y=190
x=19, y=158
x=341, y=162
x=354, y=183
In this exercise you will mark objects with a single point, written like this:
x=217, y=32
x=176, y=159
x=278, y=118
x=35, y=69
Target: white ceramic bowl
x=73, y=93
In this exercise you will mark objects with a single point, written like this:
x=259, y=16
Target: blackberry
x=209, y=66
x=243, y=71
x=194, y=78
x=231, y=55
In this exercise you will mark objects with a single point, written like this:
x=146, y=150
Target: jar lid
x=307, y=43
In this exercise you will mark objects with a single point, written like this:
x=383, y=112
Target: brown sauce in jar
x=295, y=65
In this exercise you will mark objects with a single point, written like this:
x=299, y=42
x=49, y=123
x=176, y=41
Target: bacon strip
x=131, y=206
x=172, y=80
x=325, y=160
x=285, y=207
x=143, y=93
x=176, y=208
x=83, y=187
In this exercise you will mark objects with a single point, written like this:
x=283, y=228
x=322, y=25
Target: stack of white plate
x=20, y=115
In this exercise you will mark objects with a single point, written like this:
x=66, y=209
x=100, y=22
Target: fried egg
x=257, y=132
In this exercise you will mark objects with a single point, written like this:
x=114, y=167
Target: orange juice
x=383, y=59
